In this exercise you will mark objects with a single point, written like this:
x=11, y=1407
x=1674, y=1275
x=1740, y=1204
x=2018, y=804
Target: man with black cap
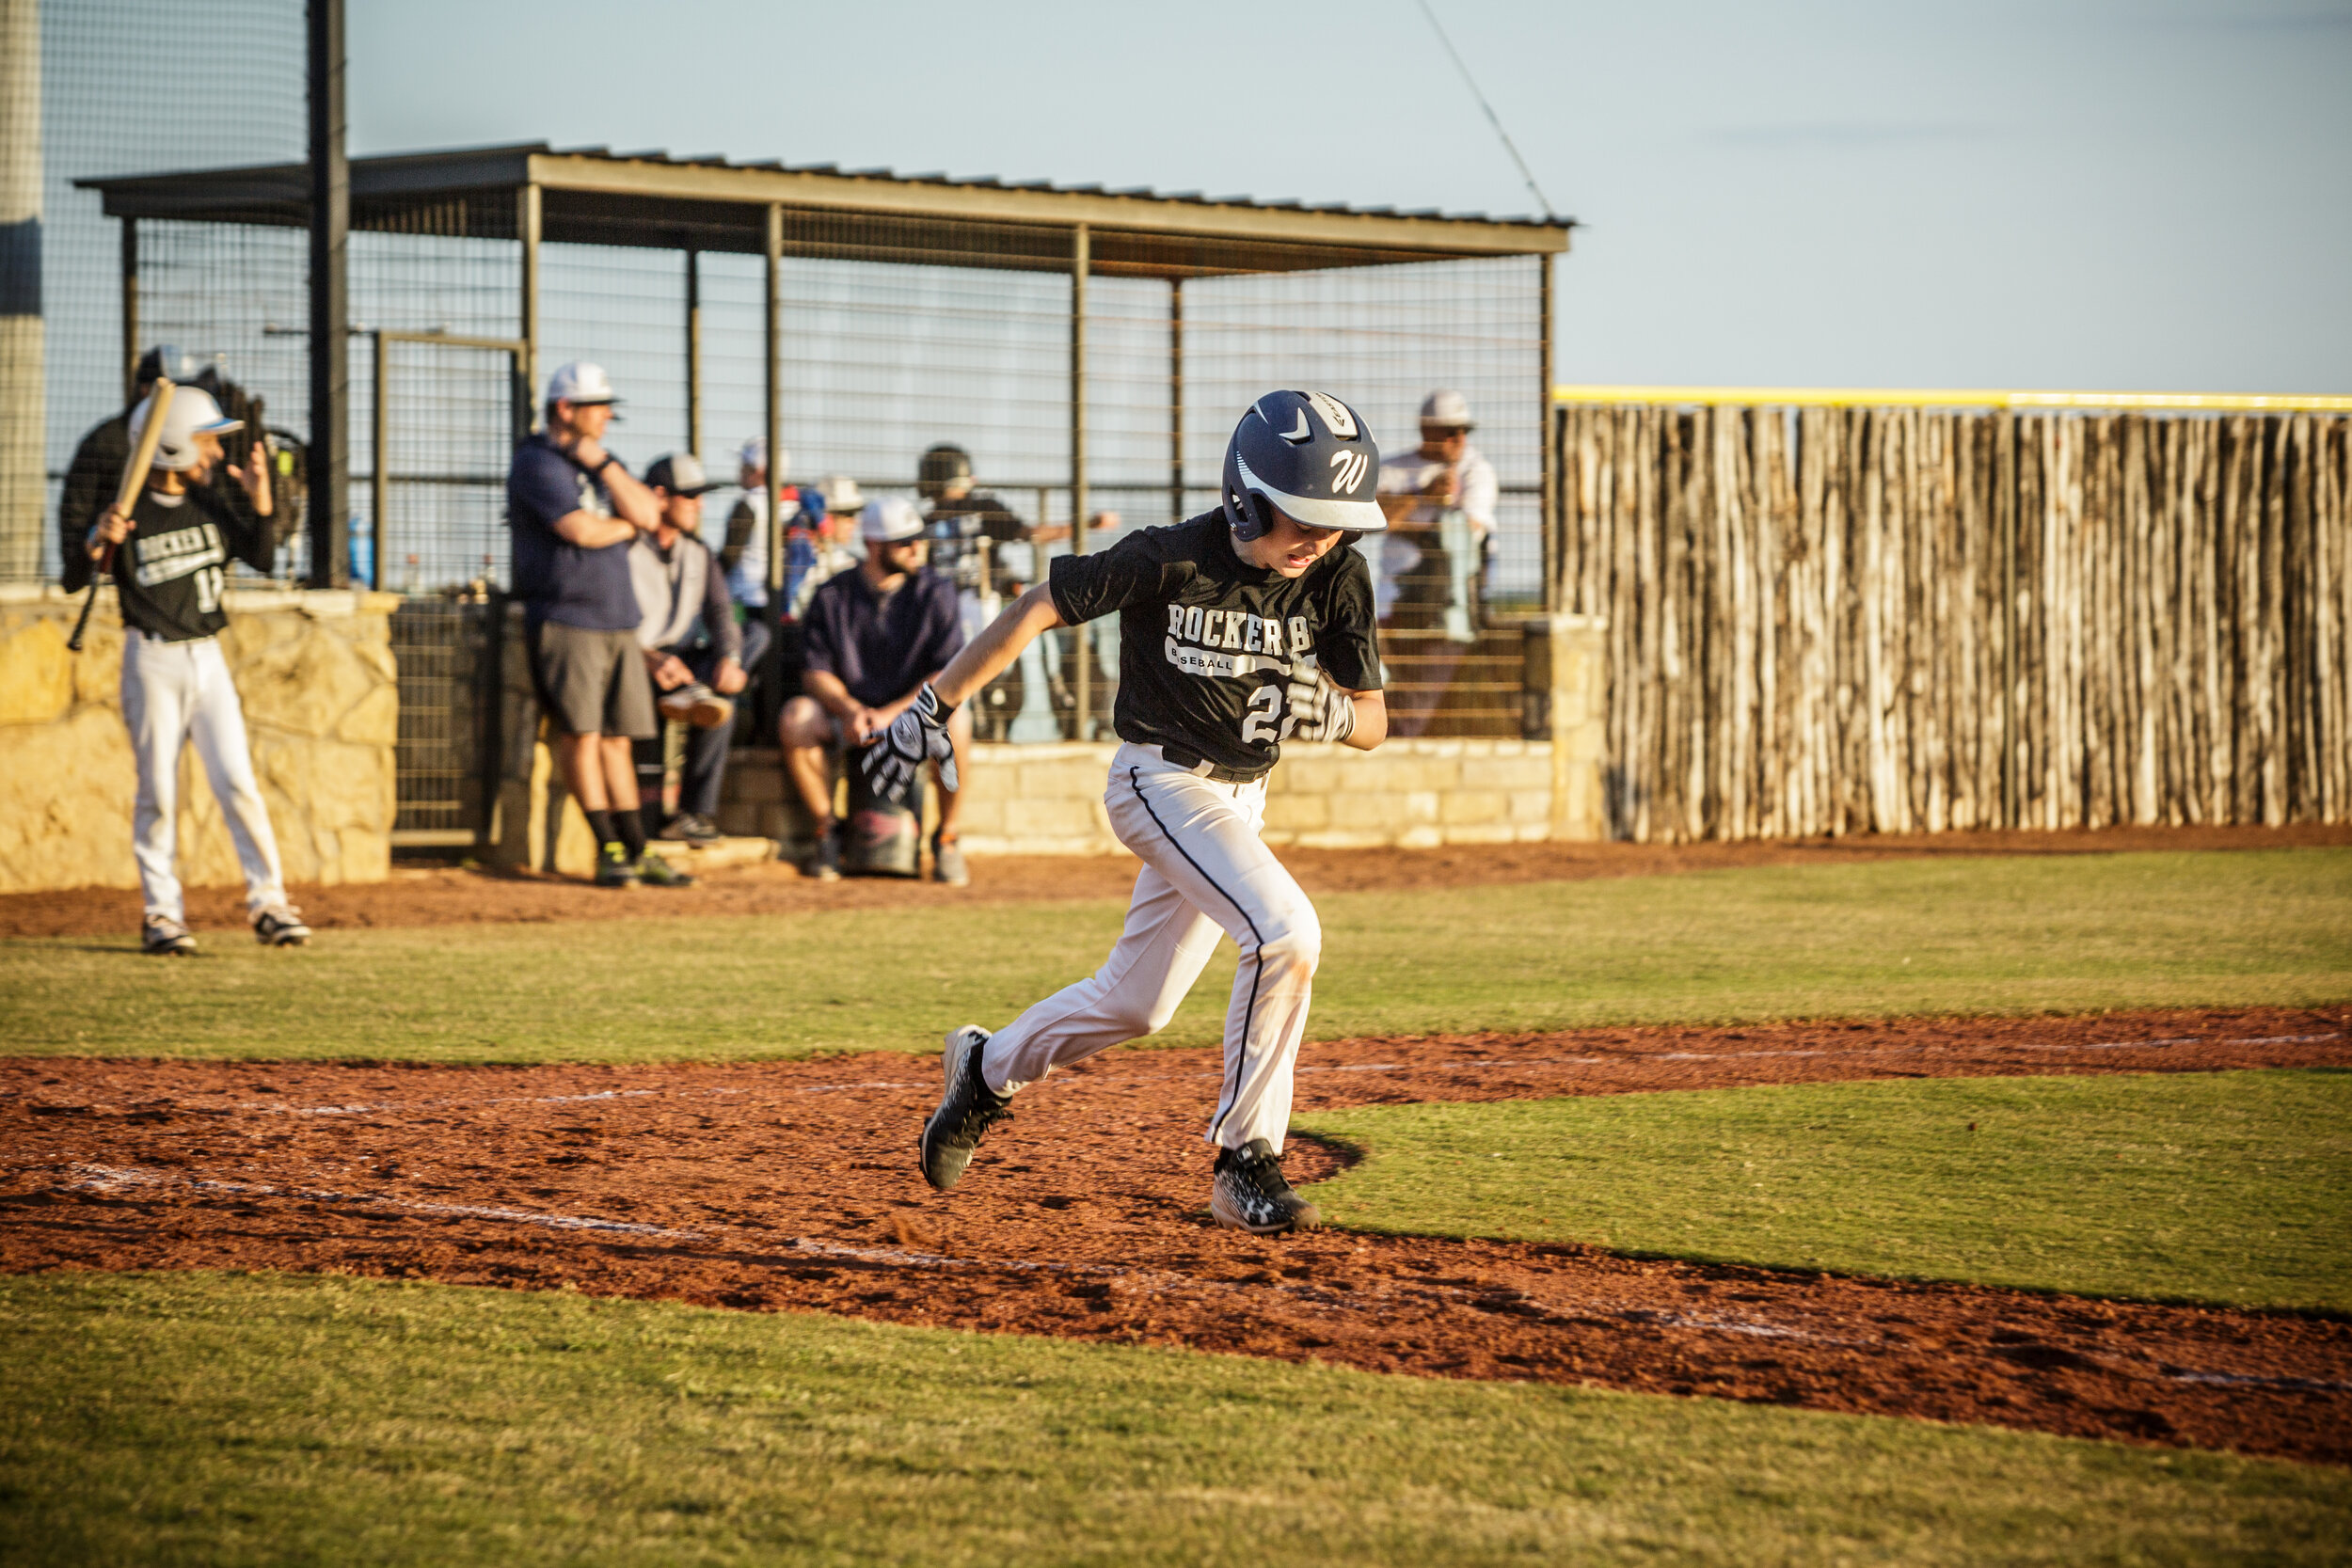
x=574, y=511
x=871, y=637
x=694, y=651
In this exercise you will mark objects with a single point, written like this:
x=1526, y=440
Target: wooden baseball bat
x=126, y=496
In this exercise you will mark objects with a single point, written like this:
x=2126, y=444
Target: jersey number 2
x=1258, y=724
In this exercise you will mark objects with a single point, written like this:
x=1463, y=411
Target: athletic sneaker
x=280, y=925
x=697, y=705
x=947, y=863
x=966, y=1109
x=656, y=871
x=1252, y=1194
x=823, y=860
x=614, y=868
x=690, y=827
x=166, y=938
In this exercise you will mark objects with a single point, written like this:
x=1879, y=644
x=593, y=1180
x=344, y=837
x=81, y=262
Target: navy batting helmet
x=941, y=466
x=1306, y=454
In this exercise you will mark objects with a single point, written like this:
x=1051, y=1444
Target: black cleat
x=280, y=925
x=656, y=871
x=166, y=938
x=966, y=1109
x=1251, y=1192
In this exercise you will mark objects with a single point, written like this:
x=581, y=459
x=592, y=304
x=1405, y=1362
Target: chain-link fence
x=124, y=86
x=1104, y=388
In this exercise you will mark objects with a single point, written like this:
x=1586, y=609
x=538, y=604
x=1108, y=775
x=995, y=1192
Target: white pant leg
x=1163, y=949
x=1205, y=868
x=158, y=693
x=1202, y=836
x=216, y=726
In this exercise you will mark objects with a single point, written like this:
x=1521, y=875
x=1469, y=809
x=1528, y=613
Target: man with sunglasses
x=870, y=638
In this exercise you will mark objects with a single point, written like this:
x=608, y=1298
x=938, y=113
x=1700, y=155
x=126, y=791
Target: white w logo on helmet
x=1351, y=466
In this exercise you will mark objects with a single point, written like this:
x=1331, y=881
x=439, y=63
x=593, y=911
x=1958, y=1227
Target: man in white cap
x=171, y=564
x=871, y=638
x=1442, y=494
x=573, y=512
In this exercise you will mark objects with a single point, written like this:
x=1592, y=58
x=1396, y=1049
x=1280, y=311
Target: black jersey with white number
x=172, y=570
x=1207, y=643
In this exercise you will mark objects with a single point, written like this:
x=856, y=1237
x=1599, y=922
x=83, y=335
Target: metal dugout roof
x=595, y=197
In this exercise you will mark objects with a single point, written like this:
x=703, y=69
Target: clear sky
x=2071, y=192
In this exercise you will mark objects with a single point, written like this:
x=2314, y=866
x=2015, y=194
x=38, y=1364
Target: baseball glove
x=893, y=760
x=1318, y=709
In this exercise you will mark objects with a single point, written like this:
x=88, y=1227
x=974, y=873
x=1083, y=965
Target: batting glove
x=893, y=760
x=1318, y=709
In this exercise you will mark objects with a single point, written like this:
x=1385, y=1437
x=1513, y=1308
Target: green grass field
x=214, y=1418
x=220, y=1419
x=2231, y=1187
x=2021, y=935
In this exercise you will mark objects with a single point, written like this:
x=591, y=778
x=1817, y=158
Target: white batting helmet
x=193, y=412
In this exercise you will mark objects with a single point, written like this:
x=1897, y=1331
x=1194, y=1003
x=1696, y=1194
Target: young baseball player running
x=1238, y=630
x=172, y=564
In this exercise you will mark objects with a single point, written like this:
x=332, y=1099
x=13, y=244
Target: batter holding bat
x=1239, y=629
x=168, y=540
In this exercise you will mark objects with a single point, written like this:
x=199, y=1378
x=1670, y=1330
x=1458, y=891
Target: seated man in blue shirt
x=573, y=512
x=871, y=639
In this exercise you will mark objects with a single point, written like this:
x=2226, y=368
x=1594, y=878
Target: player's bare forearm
x=1371, y=720
x=632, y=499
x=991, y=653
x=830, y=693
x=592, y=532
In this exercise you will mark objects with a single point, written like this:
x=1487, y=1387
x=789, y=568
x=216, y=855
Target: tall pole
x=379, y=460
x=528, y=212
x=1175, y=399
x=1555, y=525
x=330, y=304
x=2005, y=519
x=129, y=308
x=24, y=395
x=693, y=351
x=1080, y=256
x=771, y=432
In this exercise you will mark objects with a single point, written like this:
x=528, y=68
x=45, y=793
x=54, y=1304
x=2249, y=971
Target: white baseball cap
x=580, y=382
x=1447, y=408
x=192, y=413
x=889, y=520
x=842, y=494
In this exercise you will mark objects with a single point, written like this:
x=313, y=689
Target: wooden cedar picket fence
x=1826, y=619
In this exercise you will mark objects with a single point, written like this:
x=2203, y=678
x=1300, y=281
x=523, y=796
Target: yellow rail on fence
x=1848, y=396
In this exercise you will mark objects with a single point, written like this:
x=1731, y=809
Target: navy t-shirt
x=558, y=580
x=880, y=646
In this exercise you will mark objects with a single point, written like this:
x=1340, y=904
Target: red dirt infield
x=792, y=1186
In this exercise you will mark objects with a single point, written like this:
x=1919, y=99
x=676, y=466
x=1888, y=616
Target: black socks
x=632, y=827
x=600, y=824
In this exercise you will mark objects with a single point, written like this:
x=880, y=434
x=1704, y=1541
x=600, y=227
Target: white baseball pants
x=173, y=693
x=1205, y=871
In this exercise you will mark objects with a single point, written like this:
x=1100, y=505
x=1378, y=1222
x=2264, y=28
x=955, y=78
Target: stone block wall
x=1410, y=794
x=322, y=709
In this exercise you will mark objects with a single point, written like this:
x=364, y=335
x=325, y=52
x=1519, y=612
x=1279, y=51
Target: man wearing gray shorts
x=574, y=511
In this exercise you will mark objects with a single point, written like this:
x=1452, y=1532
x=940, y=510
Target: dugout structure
x=1090, y=347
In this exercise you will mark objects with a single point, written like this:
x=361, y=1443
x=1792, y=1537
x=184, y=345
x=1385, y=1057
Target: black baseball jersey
x=1207, y=643
x=172, y=570
x=953, y=526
